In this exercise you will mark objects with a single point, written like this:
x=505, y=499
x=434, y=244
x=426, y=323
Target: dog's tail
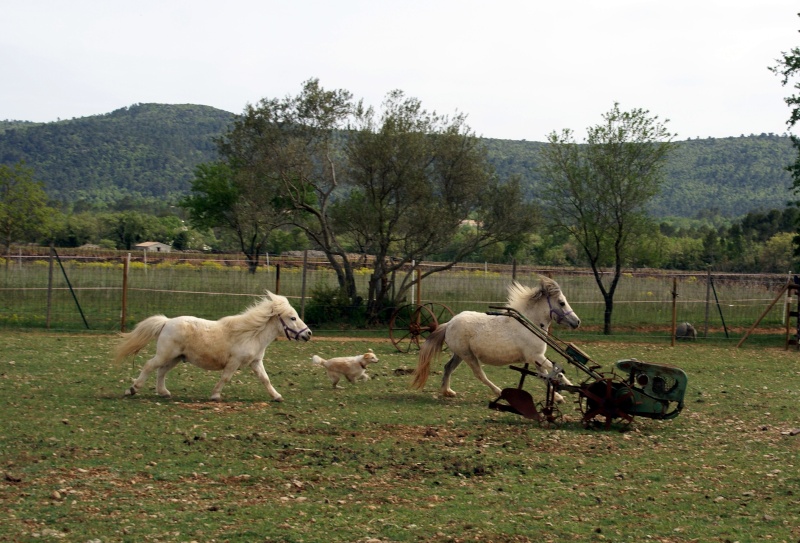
x=316, y=360
x=432, y=347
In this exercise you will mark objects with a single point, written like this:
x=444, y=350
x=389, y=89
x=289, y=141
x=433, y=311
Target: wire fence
x=89, y=290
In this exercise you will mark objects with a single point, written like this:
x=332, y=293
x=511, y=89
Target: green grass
x=377, y=460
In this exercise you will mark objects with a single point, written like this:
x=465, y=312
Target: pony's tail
x=432, y=346
x=133, y=342
x=316, y=360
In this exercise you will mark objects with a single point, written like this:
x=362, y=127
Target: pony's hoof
x=278, y=399
x=216, y=398
x=130, y=391
x=558, y=397
x=449, y=394
x=165, y=395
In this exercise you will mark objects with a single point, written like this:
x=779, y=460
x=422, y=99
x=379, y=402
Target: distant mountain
x=725, y=176
x=146, y=150
x=150, y=151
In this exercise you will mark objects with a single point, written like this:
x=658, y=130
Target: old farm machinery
x=639, y=389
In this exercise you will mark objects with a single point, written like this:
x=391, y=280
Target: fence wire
x=79, y=291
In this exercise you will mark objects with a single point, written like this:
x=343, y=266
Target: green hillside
x=147, y=150
x=725, y=176
x=150, y=151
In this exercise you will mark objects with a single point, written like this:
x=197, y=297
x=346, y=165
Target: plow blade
x=517, y=401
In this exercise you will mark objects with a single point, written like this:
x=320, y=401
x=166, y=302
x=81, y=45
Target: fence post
x=674, y=307
x=277, y=278
x=708, y=301
x=124, y=314
x=49, y=285
x=419, y=286
x=303, y=287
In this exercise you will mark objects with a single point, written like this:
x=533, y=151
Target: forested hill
x=716, y=176
x=148, y=150
x=151, y=150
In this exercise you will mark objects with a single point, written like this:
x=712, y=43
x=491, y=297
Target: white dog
x=354, y=368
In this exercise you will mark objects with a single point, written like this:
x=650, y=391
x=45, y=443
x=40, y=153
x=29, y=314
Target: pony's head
x=293, y=327
x=543, y=303
x=274, y=310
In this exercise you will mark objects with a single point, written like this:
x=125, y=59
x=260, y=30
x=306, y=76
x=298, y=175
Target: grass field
x=377, y=461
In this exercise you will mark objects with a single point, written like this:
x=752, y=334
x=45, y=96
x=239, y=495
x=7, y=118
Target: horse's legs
x=258, y=368
x=147, y=369
x=476, y=368
x=449, y=368
x=227, y=374
x=161, y=377
x=544, y=369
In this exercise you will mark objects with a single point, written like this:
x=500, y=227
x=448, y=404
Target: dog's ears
x=369, y=350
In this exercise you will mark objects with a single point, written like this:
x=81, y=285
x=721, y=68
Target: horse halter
x=560, y=314
x=290, y=333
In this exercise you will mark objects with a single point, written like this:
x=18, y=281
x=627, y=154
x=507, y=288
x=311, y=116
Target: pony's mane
x=520, y=297
x=255, y=318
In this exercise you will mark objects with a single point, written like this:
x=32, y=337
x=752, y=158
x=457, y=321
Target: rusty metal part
x=411, y=324
x=606, y=400
x=648, y=390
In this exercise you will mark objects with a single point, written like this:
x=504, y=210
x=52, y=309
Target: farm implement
x=639, y=389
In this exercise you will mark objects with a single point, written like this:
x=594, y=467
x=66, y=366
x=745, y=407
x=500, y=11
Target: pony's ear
x=550, y=286
x=268, y=295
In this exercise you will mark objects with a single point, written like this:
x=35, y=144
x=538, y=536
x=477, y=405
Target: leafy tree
x=396, y=186
x=290, y=151
x=414, y=177
x=234, y=198
x=24, y=214
x=127, y=228
x=599, y=191
x=788, y=68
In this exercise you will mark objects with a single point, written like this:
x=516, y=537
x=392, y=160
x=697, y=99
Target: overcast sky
x=519, y=69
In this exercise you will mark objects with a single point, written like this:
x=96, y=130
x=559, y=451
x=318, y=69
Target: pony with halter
x=497, y=340
x=224, y=345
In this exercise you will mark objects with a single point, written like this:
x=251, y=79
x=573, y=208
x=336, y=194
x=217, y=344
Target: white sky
x=519, y=69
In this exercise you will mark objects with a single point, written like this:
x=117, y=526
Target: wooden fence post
x=124, y=314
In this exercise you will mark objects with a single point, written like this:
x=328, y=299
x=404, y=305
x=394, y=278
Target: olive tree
x=598, y=191
x=396, y=185
x=414, y=178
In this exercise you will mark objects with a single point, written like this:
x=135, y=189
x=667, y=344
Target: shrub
x=332, y=305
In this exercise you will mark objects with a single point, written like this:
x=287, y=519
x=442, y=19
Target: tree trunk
x=609, y=301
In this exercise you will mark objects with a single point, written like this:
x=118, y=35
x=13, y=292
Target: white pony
x=498, y=340
x=224, y=345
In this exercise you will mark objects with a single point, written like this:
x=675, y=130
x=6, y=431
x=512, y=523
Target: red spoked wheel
x=411, y=324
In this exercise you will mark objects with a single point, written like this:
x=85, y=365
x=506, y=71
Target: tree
x=127, y=228
x=291, y=150
x=231, y=197
x=598, y=191
x=788, y=68
x=397, y=186
x=24, y=213
x=414, y=178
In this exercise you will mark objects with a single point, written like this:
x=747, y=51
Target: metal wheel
x=605, y=400
x=550, y=417
x=410, y=324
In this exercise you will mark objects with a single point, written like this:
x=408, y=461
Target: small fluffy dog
x=353, y=368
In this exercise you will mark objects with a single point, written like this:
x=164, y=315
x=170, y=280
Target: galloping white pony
x=223, y=345
x=498, y=340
